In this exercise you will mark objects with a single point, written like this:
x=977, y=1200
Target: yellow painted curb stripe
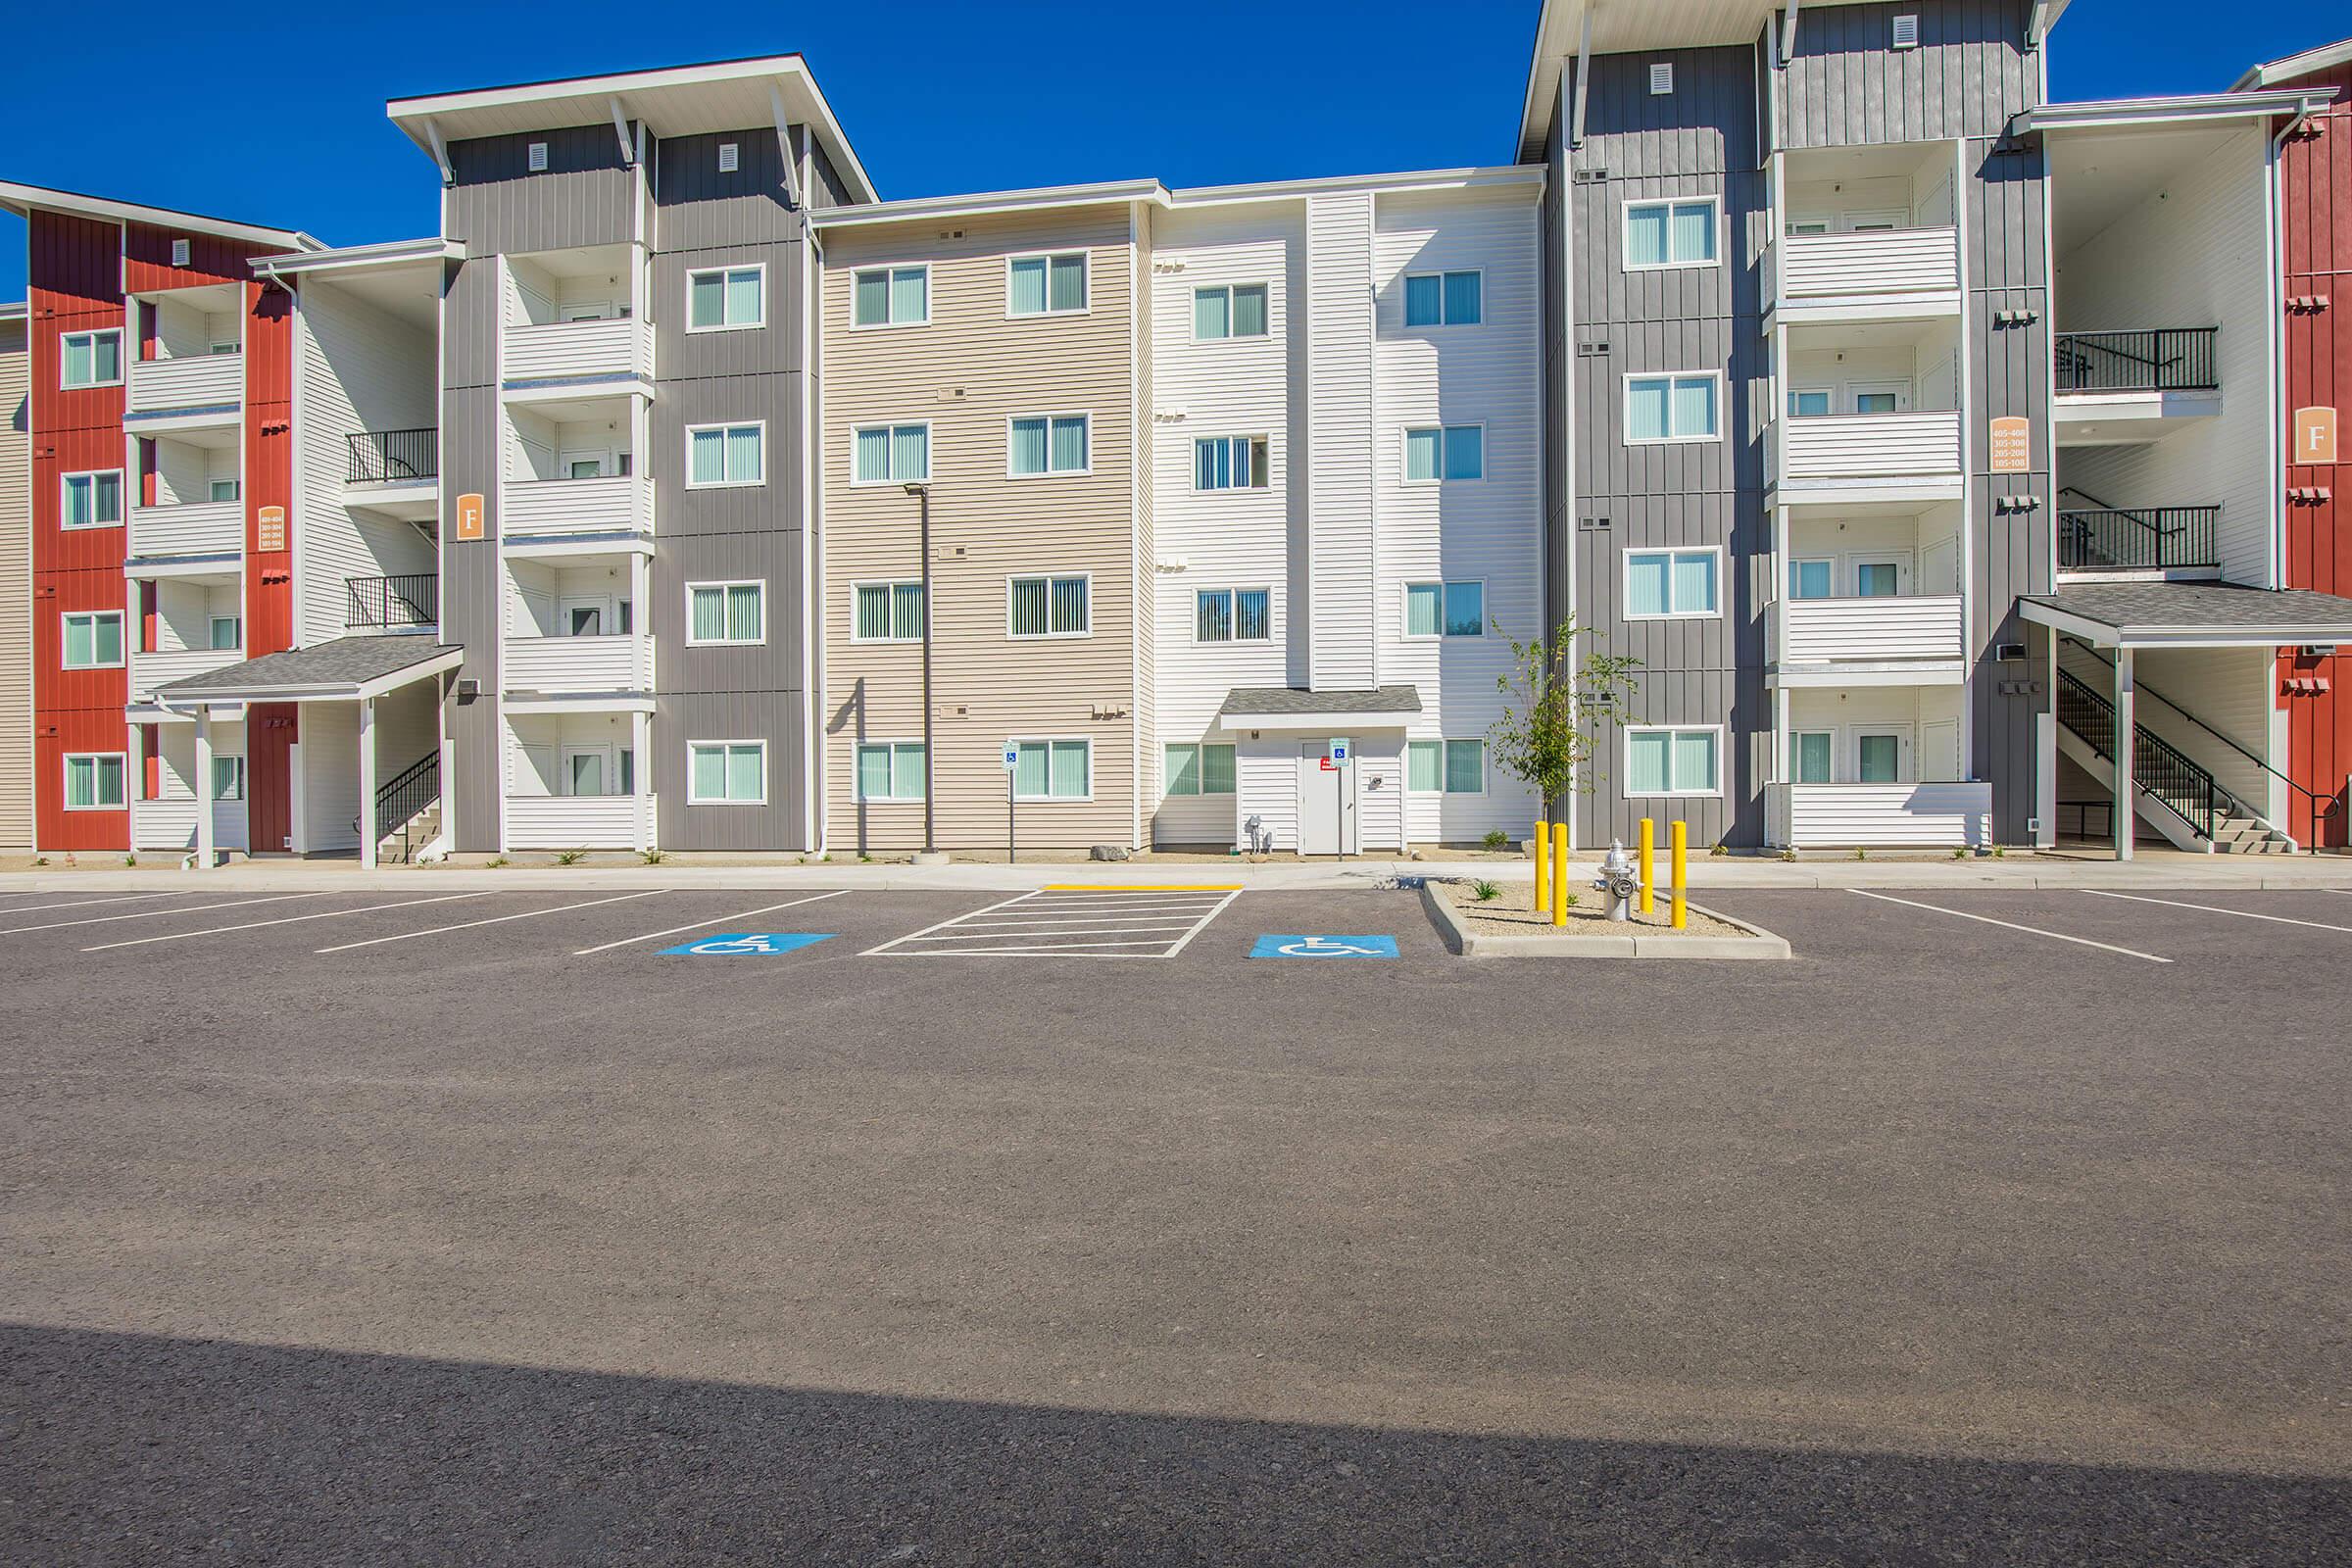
x=1140, y=887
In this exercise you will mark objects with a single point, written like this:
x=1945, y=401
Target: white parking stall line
x=1070, y=949
x=2031, y=930
x=283, y=919
x=1154, y=922
x=699, y=926
x=2215, y=908
x=1204, y=925
x=496, y=920
x=83, y=903
x=942, y=925
x=141, y=915
x=1021, y=935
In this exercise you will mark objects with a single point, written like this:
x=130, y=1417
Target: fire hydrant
x=1618, y=880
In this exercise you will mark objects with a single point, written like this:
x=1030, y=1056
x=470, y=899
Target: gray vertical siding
x=1559, y=491
x=1844, y=86
x=1699, y=140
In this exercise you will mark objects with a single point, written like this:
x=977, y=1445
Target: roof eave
x=2293, y=65
x=22, y=200
x=984, y=204
x=2189, y=108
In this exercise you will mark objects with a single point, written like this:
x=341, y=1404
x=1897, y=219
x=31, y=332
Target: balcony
x=2140, y=539
x=407, y=603
x=577, y=821
x=1870, y=267
x=193, y=528
x=187, y=391
x=557, y=357
x=1910, y=454
x=1882, y=629
x=2119, y=389
x=1951, y=815
x=554, y=665
x=150, y=671
x=171, y=824
x=621, y=504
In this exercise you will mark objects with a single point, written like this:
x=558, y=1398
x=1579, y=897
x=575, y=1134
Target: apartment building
x=16, y=581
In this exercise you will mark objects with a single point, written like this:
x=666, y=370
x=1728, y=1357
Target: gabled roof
x=23, y=200
x=2325, y=57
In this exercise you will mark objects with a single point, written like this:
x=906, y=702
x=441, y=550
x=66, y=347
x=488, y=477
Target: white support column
x=368, y=835
x=2045, y=746
x=641, y=620
x=204, y=788
x=2127, y=815
x=640, y=768
x=1783, y=742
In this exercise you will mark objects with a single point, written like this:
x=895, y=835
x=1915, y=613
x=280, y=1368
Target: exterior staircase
x=408, y=811
x=2175, y=796
x=405, y=843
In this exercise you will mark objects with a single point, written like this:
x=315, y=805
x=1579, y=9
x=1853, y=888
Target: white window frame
x=894, y=426
x=1192, y=326
x=1798, y=391
x=722, y=584
x=1050, y=472
x=760, y=425
x=894, y=584
x=121, y=367
x=721, y=271
x=1625, y=231
x=1199, y=771
x=1625, y=580
x=1233, y=595
x=121, y=621
x=237, y=785
x=891, y=744
x=1405, y=610
x=1439, y=324
x=65, y=771
x=1625, y=758
x=1261, y=473
x=1904, y=393
x=890, y=272
x=1486, y=765
x=1905, y=736
x=1625, y=402
x=1796, y=753
x=1048, y=741
x=1086, y=260
x=212, y=621
x=693, y=798
x=1404, y=441
x=65, y=487
x=1795, y=562
x=1048, y=578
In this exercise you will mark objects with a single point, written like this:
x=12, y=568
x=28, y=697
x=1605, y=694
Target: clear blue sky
x=958, y=102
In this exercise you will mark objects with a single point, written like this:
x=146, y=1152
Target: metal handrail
x=2164, y=359
x=412, y=790
x=378, y=457
x=2158, y=767
x=411, y=600
x=2321, y=805
x=2160, y=538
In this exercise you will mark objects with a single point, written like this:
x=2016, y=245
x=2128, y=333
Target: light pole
x=930, y=855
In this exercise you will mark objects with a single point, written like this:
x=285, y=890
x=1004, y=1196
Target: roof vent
x=538, y=157
x=728, y=158
x=1661, y=78
x=1906, y=31
x=180, y=253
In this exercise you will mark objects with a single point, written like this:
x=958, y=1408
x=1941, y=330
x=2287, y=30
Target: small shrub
x=1999, y=852
x=496, y=861
x=131, y=860
x=1960, y=855
x=569, y=857
x=1573, y=900
x=1720, y=849
x=40, y=859
x=1861, y=854
x=1787, y=855
x=652, y=857
x=1497, y=839
x=1486, y=892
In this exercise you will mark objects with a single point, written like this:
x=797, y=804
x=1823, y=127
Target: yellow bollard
x=1543, y=865
x=1681, y=855
x=1559, y=874
x=1649, y=864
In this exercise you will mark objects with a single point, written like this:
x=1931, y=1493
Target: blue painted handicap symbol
x=748, y=943
x=1324, y=948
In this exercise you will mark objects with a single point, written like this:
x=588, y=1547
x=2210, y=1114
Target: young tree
x=1544, y=737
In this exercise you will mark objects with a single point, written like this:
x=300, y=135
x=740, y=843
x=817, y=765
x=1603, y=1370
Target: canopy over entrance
x=2191, y=614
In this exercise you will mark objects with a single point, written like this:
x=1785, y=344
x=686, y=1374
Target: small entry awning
x=1295, y=708
x=349, y=669
x=2192, y=614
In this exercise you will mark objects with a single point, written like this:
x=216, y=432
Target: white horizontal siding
x=196, y=381
x=1914, y=260
x=1340, y=424
x=1932, y=815
x=573, y=505
x=616, y=346
x=575, y=664
x=193, y=528
x=573, y=822
x=1922, y=627
x=151, y=670
x=1869, y=445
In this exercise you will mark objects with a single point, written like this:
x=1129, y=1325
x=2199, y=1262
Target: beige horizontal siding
x=16, y=592
x=968, y=372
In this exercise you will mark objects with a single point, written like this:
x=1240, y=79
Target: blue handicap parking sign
x=1324, y=948
x=748, y=943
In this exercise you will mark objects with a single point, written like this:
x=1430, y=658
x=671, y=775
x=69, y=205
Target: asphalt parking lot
x=408, y=1227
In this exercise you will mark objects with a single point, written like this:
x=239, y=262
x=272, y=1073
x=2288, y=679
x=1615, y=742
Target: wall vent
x=1661, y=78
x=1906, y=31
x=538, y=157
x=180, y=253
x=728, y=158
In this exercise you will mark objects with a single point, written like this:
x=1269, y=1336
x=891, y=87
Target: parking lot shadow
x=129, y=1449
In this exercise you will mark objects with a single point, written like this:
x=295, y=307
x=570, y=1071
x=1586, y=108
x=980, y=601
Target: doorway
x=1327, y=813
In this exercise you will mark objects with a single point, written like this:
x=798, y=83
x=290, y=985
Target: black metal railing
x=2158, y=767
x=2161, y=538
x=379, y=456
x=2093, y=820
x=392, y=604
x=397, y=804
x=2169, y=359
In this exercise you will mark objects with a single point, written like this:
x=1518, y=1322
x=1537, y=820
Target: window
x=1672, y=761
x=1229, y=309
x=92, y=500
x=223, y=489
x=94, y=781
x=92, y=359
x=888, y=613
x=1199, y=770
x=726, y=455
x=730, y=156
x=225, y=348
x=1052, y=770
x=726, y=613
x=1661, y=79
x=1442, y=299
x=227, y=633
x=724, y=299
x=1044, y=444
x=1446, y=767
x=1232, y=616
x=1810, y=579
x=1888, y=402
x=93, y=640
x=892, y=296
x=1664, y=583
x=1229, y=462
x=1672, y=408
x=1808, y=402
x=1445, y=610
x=228, y=779
x=1813, y=752
x=1048, y=607
x=1877, y=758
x=1046, y=285
x=1450, y=451
x=891, y=770
x=891, y=454
x=535, y=157
x=1878, y=580
x=1672, y=234
x=726, y=773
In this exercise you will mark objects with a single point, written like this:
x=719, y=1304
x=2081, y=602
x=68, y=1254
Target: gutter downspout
x=2274, y=202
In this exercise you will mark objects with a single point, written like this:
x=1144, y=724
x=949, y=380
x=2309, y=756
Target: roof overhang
x=2106, y=113
x=2192, y=616
x=673, y=101
x=24, y=200
x=2325, y=57
x=356, y=258
x=1289, y=709
x=985, y=204
x=1526, y=177
x=223, y=686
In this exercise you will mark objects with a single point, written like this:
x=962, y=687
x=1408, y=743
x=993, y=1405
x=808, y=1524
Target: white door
x=1326, y=803
x=1881, y=754
x=1879, y=573
x=1939, y=566
x=588, y=771
x=1940, y=751
x=585, y=310
x=1877, y=220
x=584, y=616
x=1878, y=397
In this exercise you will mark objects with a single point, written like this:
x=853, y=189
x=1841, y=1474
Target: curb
x=1759, y=945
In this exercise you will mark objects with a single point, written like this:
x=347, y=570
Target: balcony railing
x=564, y=351
x=612, y=505
x=170, y=823
x=574, y=821
x=613, y=664
x=1949, y=815
x=2173, y=359
x=2144, y=538
x=193, y=528
x=1870, y=446
x=392, y=604
x=1905, y=261
x=392, y=457
x=150, y=672
x=1918, y=627
x=186, y=381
